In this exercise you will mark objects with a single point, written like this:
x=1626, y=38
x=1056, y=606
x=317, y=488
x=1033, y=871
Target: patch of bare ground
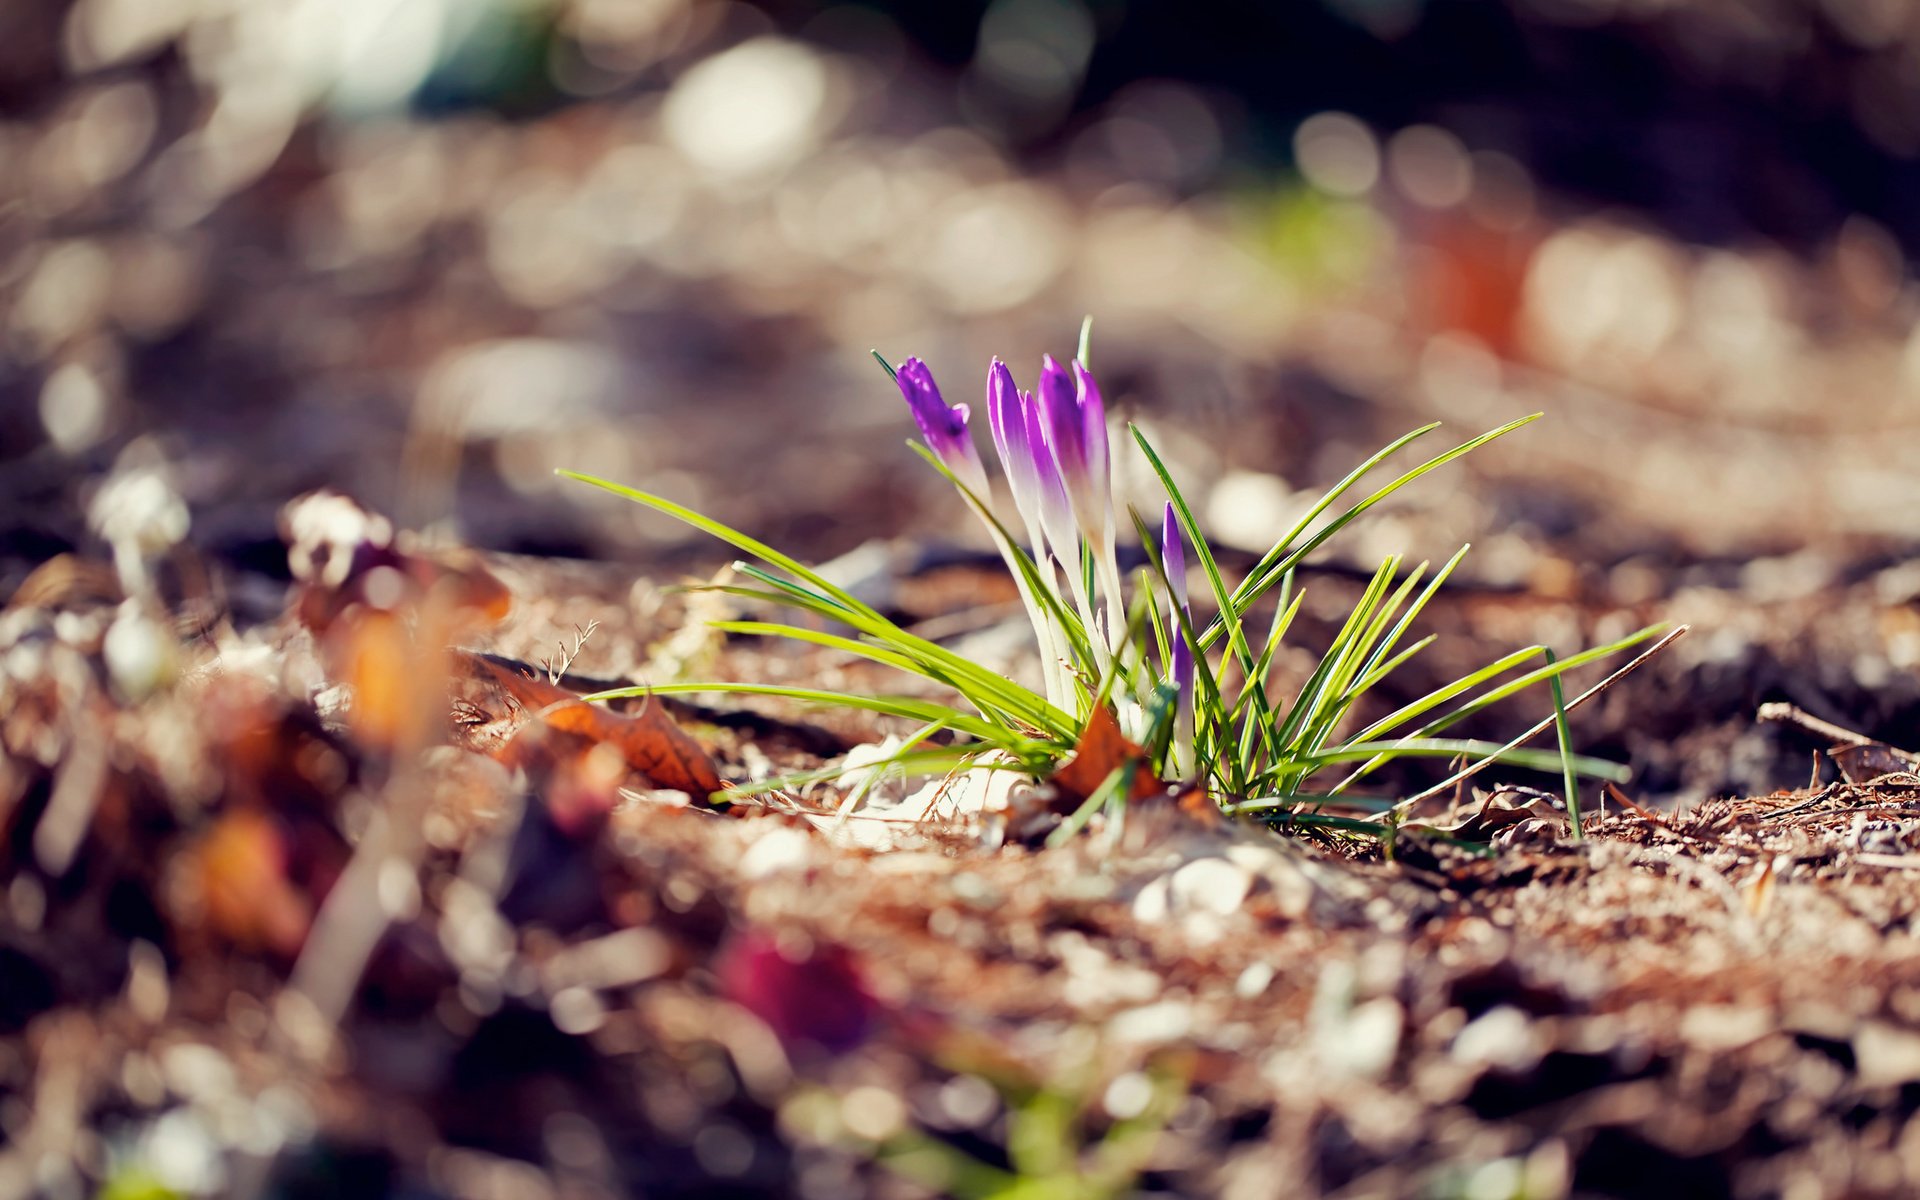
x=582, y=984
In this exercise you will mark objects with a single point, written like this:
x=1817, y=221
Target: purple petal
x=1093, y=424
x=1006, y=415
x=939, y=424
x=1180, y=661
x=1056, y=511
x=944, y=428
x=1173, y=554
x=1060, y=413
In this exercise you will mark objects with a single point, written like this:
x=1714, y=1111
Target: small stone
x=779, y=850
x=1153, y=1024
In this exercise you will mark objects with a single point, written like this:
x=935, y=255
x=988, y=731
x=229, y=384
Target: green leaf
x=732, y=537
x=1281, y=557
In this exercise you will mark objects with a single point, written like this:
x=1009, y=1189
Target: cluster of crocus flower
x=1056, y=455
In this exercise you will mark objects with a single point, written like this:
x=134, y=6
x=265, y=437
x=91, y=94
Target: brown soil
x=1717, y=1001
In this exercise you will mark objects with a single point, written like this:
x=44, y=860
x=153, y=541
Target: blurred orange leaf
x=239, y=876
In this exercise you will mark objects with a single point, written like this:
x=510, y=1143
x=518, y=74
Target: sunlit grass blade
x=817, y=637
x=1228, y=615
x=1538, y=675
x=1138, y=617
x=912, y=708
x=1479, y=703
x=984, y=688
x=921, y=762
x=1207, y=703
x=1283, y=556
x=1313, y=693
x=729, y=535
x=1081, y=644
x=1446, y=692
x=1098, y=799
x=1635, y=663
x=1469, y=748
x=1254, y=725
x=1339, y=693
x=1366, y=682
x=1375, y=670
x=837, y=603
x=1570, y=782
x=1310, y=801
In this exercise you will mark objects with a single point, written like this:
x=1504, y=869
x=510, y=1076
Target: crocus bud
x=944, y=428
x=1065, y=431
x=1056, y=508
x=1173, y=555
x=1180, y=665
x=1075, y=418
x=1093, y=426
x=1007, y=416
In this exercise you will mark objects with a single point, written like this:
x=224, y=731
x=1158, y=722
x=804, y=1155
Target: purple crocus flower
x=944, y=428
x=1007, y=408
x=1173, y=556
x=1019, y=434
x=1093, y=417
x=1066, y=438
x=1180, y=670
x=1075, y=419
x=1054, y=502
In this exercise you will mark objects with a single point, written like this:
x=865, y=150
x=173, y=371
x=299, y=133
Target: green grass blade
x=1206, y=689
x=1469, y=748
x=1441, y=695
x=1280, y=559
x=1571, y=784
x=909, y=707
x=1190, y=526
x=985, y=689
x=1373, y=672
x=727, y=534
x=1252, y=727
x=1313, y=693
x=938, y=760
x=1538, y=675
x=816, y=637
x=1340, y=693
x=1108, y=789
x=1080, y=645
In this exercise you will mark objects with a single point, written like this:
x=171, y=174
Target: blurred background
x=429, y=250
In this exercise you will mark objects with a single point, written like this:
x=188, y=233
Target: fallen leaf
x=1101, y=750
x=1501, y=810
x=1865, y=762
x=493, y=701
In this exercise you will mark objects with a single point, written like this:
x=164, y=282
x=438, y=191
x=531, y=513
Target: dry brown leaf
x=493, y=701
x=1498, y=811
x=1102, y=748
x=1867, y=761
